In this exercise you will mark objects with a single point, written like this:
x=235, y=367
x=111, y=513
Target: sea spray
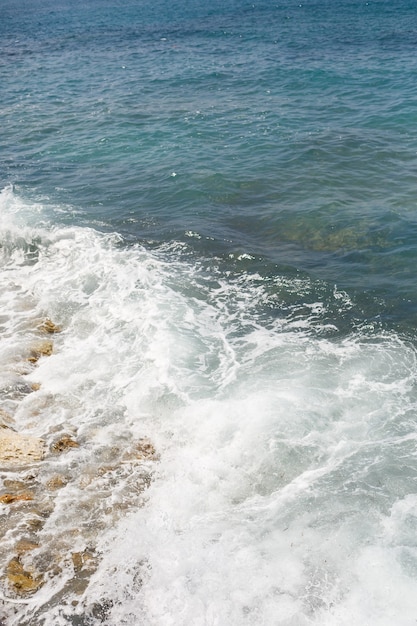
x=277, y=486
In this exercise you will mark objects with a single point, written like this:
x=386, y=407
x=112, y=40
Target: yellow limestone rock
x=17, y=449
x=10, y=498
x=24, y=545
x=22, y=581
x=83, y=560
x=64, y=443
x=44, y=348
x=49, y=327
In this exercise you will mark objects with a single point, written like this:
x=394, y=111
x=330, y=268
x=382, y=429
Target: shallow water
x=216, y=204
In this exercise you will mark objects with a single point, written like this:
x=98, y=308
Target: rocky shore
x=56, y=498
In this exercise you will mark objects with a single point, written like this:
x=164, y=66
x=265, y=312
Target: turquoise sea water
x=218, y=204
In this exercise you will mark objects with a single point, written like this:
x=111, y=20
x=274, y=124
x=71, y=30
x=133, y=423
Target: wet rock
x=35, y=523
x=17, y=449
x=24, y=545
x=43, y=509
x=56, y=482
x=43, y=348
x=48, y=561
x=11, y=498
x=6, y=419
x=21, y=580
x=143, y=450
x=106, y=469
x=49, y=327
x=15, y=485
x=83, y=561
x=64, y=443
x=93, y=473
x=101, y=610
x=14, y=388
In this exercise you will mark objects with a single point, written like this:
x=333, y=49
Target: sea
x=214, y=205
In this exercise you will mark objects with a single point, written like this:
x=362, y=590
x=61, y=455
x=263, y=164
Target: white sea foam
x=283, y=493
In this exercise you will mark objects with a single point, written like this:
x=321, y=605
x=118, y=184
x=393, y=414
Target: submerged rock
x=10, y=498
x=17, y=485
x=24, y=545
x=6, y=419
x=43, y=348
x=101, y=610
x=22, y=581
x=56, y=482
x=17, y=449
x=143, y=450
x=83, y=561
x=14, y=387
x=49, y=327
x=64, y=443
x=35, y=523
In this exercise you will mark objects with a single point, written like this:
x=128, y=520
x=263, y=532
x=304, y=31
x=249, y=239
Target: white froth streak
x=266, y=508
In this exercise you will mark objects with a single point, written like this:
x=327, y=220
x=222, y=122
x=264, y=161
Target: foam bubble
x=281, y=487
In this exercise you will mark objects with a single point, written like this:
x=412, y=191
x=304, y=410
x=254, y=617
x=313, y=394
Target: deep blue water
x=223, y=196
x=289, y=127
